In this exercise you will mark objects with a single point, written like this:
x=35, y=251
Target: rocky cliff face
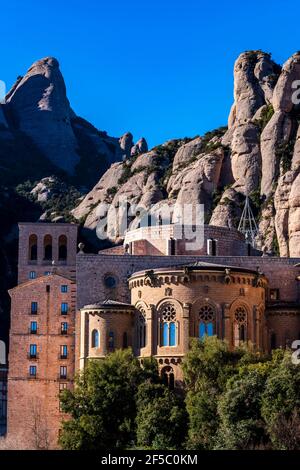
x=257, y=155
x=37, y=109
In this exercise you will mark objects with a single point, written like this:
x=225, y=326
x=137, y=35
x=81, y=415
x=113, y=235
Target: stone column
x=255, y=338
x=227, y=327
x=84, y=338
x=40, y=249
x=103, y=325
x=185, y=332
x=55, y=248
x=151, y=334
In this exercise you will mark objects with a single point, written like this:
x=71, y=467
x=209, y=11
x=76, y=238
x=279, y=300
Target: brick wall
x=31, y=398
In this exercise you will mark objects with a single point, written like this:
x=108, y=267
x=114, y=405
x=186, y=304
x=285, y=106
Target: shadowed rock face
x=40, y=108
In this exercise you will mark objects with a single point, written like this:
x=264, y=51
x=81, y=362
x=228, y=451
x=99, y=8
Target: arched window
x=141, y=328
x=111, y=341
x=48, y=247
x=62, y=248
x=167, y=376
x=125, y=340
x=207, y=321
x=240, y=325
x=95, y=339
x=32, y=255
x=168, y=326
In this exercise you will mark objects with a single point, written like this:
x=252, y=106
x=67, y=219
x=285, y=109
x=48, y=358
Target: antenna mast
x=248, y=224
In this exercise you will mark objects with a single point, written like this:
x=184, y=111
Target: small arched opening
x=32, y=252
x=62, y=248
x=95, y=339
x=48, y=248
x=168, y=378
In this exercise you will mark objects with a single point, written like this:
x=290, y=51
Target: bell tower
x=45, y=245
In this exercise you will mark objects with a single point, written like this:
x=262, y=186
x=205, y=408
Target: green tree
x=161, y=417
x=281, y=402
x=103, y=403
x=239, y=409
x=208, y=367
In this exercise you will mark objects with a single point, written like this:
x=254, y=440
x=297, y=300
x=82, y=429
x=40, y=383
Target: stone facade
x=229, y=302
x=43, y=245
x=42, y=334
x=153, y=299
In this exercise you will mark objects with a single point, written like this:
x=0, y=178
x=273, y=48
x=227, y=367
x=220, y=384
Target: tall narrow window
x=32, y=255
x=172, y=327
x=64, y=351
x=48, y=248
x=165, y=338
x=32, y=371
x=34, y=308
x=167, y=375
x=168, y=335
x=63, y=372
x=207, y=319
x=62, y=248
x=141, y=328
x=211, y=247
x=95, y=339
x=64, y=289
x=240, y=326
x=33, y=351
x=33, y=327
x=111, y=341
x=172, y=247
x=64, y=308
x=64, y=328
x=32, y=275
x=125, y=340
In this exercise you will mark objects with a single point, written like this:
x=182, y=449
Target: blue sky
x=160, y=69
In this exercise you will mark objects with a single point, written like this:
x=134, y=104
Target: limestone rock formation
x=126, y=143
x=140, y=147
x=254, y=77
x=281, y=202
x=276, y=133
x=37, y=109
x=197, y=182
x=294, y=218
x=246, y=157
x=228, y=211
x=40, y=108
x=187, y=152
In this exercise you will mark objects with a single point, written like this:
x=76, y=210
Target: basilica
x=152, y=294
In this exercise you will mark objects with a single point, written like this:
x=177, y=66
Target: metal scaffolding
x=247, y=224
